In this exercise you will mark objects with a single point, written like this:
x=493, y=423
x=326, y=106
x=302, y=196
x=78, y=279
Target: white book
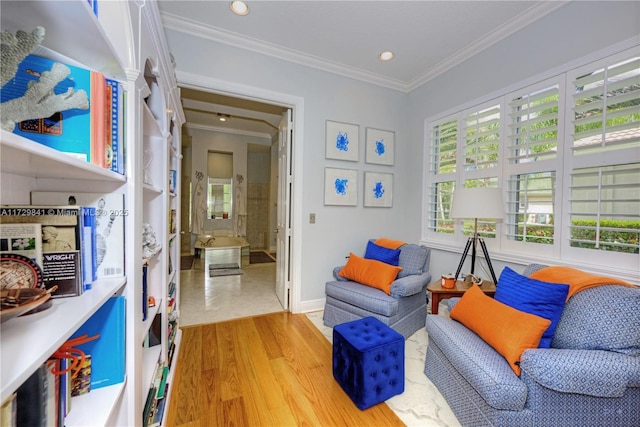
x=23, y=239
x=110, y=214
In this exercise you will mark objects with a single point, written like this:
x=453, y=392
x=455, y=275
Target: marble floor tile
x=205, y=299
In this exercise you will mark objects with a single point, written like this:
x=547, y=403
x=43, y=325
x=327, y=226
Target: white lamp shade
x=481, y=202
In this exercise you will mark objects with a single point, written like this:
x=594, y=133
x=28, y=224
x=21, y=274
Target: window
x=530, y=212
x=442, y=167
x=604, y=182
x=534, y=157
x=482, y=138
x=565, y=151
x=605, y=208
x=219, y=197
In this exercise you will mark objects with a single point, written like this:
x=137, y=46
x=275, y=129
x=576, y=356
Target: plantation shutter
x=444, y=141
x=605, y=208
x=607, y=108
x=533, y=128
x=530, y=211
x=482, y=138
x=440, y=207
x=604, y=204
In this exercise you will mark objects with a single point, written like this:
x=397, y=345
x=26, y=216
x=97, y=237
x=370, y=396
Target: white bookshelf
x=104, y=44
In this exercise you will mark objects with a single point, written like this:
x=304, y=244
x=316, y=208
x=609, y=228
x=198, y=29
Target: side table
x=439, y=293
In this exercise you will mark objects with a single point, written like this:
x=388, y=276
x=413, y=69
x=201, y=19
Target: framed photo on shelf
x=342, y=141
x=340, y=187
x=379, y=147
x=378, y=190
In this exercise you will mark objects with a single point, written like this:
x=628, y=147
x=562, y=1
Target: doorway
x=256, y=117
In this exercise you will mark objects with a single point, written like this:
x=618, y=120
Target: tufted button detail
x=368, y=361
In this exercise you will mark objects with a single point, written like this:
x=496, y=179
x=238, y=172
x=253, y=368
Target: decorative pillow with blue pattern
x=380, y=253
x=412, y=259
x=533, y=296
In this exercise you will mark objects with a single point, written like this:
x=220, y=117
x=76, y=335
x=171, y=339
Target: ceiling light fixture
x=239, y=7
x=223, y=117
x=386, y=56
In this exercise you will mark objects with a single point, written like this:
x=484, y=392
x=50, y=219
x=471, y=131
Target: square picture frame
x=342, y=141
x=340, y=187
x=378, y=190
x=380, y=147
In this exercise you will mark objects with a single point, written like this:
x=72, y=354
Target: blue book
x=89, y=249
x=116, y=124
x=67, y=131
x=108, y=351
x=145, y=293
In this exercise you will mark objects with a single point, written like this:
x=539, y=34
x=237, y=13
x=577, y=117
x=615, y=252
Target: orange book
x=98, y=129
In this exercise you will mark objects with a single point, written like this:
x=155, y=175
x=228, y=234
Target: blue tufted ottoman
x=368, y=361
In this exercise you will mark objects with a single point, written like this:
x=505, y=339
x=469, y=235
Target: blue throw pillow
x=380, y=253
x=533, y=296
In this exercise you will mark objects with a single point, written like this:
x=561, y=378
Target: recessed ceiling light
x=386, y=56
x=239, y=7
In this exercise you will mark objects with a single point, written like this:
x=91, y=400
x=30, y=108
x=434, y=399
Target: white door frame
x=296, y=103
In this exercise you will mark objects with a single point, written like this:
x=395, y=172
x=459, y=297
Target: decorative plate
x=18, y=271
x=19, y=301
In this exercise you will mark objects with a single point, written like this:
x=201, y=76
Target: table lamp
x=481, y=202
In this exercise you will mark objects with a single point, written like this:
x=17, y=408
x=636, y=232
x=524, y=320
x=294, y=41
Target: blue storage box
x=368, y=361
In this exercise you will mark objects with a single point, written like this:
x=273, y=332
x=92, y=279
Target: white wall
x=337, y=230
x=203, y=141
x=569, y=33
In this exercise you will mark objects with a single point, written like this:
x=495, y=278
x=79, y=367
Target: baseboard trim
x=312, y=305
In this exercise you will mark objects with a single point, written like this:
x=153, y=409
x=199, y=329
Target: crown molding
x=209, y=128
x=200, y=30
x=527, y=17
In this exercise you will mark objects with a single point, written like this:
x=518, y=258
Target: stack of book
x=74, y=238
x=95, y=135
x=45, y=398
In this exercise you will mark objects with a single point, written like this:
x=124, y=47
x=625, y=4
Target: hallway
x=206, y=299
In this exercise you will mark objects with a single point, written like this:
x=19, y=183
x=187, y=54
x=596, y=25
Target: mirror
x=219, y=196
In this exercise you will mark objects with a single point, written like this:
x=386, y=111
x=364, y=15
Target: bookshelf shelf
x=96, y=407
x=125, y=43
x=21, y=156
x=28, y=341
x=84, y=40
x=152, y=189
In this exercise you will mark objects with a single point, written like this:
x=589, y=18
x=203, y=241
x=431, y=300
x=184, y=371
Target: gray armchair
x=404, y=310
x=589, y=377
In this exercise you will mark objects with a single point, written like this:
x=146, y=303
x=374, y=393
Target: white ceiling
x=345, y=37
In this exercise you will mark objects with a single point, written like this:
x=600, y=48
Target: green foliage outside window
x=613, y=236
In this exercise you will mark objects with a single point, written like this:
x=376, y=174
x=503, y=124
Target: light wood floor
x=270, y=370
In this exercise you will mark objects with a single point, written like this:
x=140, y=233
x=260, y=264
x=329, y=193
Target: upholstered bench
x=368, y=361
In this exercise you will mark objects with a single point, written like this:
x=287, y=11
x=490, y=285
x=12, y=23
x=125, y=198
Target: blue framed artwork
x=378, y=190
x=379, y=147
x=340, y=187
x=342, y=141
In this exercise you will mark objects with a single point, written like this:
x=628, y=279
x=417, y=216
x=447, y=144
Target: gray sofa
x=589, y=377
x=404, y=310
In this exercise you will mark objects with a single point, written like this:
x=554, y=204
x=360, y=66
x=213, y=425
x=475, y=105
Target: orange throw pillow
x=509, y=331
x=389, y=243
x=370, y=272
